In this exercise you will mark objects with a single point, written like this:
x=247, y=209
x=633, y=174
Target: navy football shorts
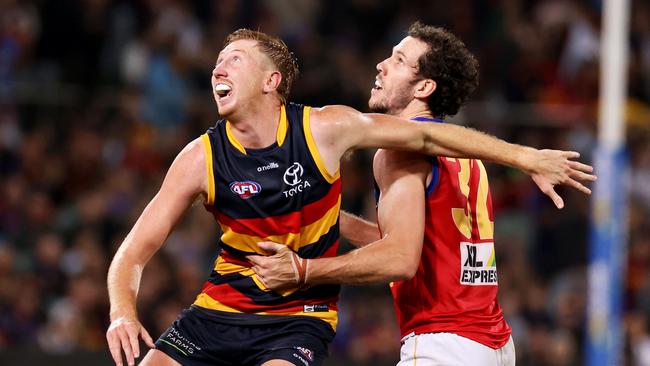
x=201, y=338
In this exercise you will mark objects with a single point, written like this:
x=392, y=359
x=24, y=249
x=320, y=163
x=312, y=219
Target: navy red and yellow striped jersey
x=280, y=193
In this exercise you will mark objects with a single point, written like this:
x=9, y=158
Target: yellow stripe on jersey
x=313, y=149
x=282, y=127
x=280, y=135
x=205, y=301
x=207, y=148
x=233, y=141
x=308, y=234
x=224, y=268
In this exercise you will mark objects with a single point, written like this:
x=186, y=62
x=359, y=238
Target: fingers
x=557, y=200
x=114, y=347
x=577, y=185
x=259, y=276
x=147, y=338
x=571, y=154
x=255, y=259
x=123, y=335
x=576, y=165
x=126, y=346
x=583, y=176
x=270, y=246
x=135, y=344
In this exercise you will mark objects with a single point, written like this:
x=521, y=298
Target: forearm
x=374, y=263
x=358, y=231
x=461, y=142
x=123, y=282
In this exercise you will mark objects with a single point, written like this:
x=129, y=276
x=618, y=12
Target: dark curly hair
x=450, y=64
x=277, y=51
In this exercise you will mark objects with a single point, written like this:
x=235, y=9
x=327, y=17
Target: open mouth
x=222, y=90
x=377, y=85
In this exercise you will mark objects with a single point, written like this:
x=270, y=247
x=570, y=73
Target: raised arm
x=396, y=256
x=337, y=129
x=184, y=184
x=358, y=231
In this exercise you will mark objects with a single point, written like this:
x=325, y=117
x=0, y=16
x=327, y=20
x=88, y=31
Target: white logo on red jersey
x=478, y=266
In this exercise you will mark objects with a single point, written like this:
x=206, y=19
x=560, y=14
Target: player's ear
x=424, y=88
x=272, y=81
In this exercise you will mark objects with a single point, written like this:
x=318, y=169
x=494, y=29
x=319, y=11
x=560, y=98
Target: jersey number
x=463, y=217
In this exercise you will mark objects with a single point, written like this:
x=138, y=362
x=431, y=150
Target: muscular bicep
x=185, y=183
x=401, y=207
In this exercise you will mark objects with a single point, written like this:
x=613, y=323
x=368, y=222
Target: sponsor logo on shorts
x=177, y=341
x=305, y=362
x=306, y=352
x=478, y=266
x=246, y=189
x=318, y=308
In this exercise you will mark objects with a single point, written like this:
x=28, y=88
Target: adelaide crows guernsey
x=281, y=193
x=455, y=287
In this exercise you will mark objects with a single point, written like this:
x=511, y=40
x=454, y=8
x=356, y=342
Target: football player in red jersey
x=434, y=238
x=235, y=319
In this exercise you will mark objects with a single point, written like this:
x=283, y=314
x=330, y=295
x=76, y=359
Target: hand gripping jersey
x=455, y=287
x=280, y=193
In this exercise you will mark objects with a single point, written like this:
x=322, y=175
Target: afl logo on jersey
x=245, y=189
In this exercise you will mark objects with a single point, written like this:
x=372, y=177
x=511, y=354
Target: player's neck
x=414, y=110
x=256, y=127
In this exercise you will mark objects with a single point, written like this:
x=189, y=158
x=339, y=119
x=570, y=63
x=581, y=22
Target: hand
x=281, y=271
x=549, y=168
x=123, y=334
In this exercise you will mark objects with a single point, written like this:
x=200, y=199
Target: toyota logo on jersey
x=293, y=174
x=245, y=189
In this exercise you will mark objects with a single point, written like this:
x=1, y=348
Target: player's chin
x=375, y=106
x=225, y=105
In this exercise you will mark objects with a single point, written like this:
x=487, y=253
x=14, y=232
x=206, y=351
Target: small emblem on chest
x=293, y=177
x=245, y=189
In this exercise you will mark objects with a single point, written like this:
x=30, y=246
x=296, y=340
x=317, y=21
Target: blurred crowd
x=98, y=96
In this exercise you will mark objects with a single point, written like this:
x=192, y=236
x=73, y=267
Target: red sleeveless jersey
x=455, y=287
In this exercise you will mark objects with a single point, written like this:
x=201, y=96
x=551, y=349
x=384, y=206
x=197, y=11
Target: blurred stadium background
x=98, y=96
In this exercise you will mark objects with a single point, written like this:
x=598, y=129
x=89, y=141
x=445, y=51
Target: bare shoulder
x=332, y=116
x=193, y=154
x=393, y=164
x=332, y=111
x=188, y=172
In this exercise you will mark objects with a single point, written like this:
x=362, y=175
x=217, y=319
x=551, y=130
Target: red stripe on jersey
x=283, y=224
x=331, y=251
x=230, y=297
x=228, y=258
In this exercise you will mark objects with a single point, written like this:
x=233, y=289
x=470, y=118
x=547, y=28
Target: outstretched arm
x=396, y=256
x=184, y=183
x=358, y=231
x=337, y=129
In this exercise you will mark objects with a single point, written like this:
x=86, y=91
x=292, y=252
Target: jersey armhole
x=313, y=149
x=207, y=149
x=435, y=176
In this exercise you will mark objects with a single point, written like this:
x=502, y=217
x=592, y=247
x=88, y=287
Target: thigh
x=158, y=358
x=195, y=341
x=278, y=363
x=445, y=349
